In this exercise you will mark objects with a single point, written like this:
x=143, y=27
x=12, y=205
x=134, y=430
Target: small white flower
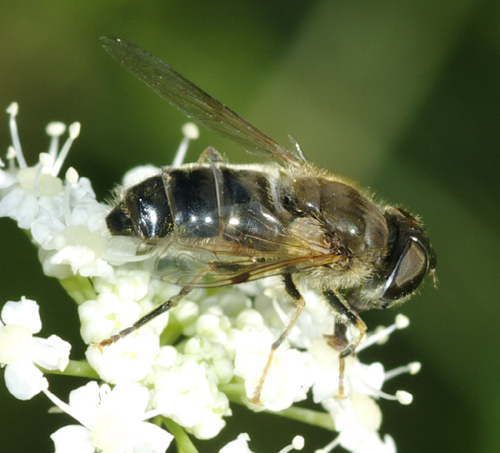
x=122, y=301
x=20, y=205
x=213, y=325
x=287, y=381
x=366, y=379
x=190, y=398
x=358, y=441
x=65, y=219
x=105, y=315
x=139, y=174
x=24, y=187
x=20, y=350
x=129, y=284
x=129, y=359
x=239, y=445
x=113, y=421
x=358, y=418
x=218, y=363
x=73, y=242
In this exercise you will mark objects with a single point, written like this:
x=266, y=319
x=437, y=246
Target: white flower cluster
x=20, y=351
x=184, y=365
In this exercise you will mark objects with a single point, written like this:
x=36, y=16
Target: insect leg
x=292, y=290
x=339, y=342
x=347, y=315
x=172, y=302
x=210, y=155
x=339, y=339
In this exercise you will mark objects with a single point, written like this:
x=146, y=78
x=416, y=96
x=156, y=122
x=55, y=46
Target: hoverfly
x=216, y=224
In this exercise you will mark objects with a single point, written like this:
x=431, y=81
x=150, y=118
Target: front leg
x=344, y=315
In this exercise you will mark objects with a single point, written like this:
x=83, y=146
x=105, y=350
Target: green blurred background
x=402, y=96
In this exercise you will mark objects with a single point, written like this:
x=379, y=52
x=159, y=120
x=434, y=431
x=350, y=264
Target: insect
x=216, y=224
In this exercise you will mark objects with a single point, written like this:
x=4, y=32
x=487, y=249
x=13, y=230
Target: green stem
x=184, y=444
x=232, y=389
x=315, y=418
x=79, y=288
x=172, y=332
x=78, y=368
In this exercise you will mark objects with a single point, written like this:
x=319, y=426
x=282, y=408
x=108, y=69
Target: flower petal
x=126, y=400
x=24, y=380
x=16, y=343
x=86, y=401
x=151, y=439
x=73, y=439
x=130, y=358
x=21, y=206
x=239, y=445
x=23, y=313
x=51, y=353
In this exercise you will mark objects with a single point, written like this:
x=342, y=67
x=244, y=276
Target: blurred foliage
x=402, y=96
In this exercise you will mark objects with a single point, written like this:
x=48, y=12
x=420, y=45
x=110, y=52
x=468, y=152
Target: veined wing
x=254, y=247
x=195, y=103
x=196, y=265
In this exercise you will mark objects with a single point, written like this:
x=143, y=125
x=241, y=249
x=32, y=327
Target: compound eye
x=409, y=270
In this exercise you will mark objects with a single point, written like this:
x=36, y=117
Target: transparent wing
x=193, y=264
x=256, y=246
x=195, y=103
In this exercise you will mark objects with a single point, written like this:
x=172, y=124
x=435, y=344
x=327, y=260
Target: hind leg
x=170, y=303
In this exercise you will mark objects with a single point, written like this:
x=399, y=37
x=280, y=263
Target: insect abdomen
x=198, y=203
x=237, y=205
x=193, y=200
x=143, y=212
